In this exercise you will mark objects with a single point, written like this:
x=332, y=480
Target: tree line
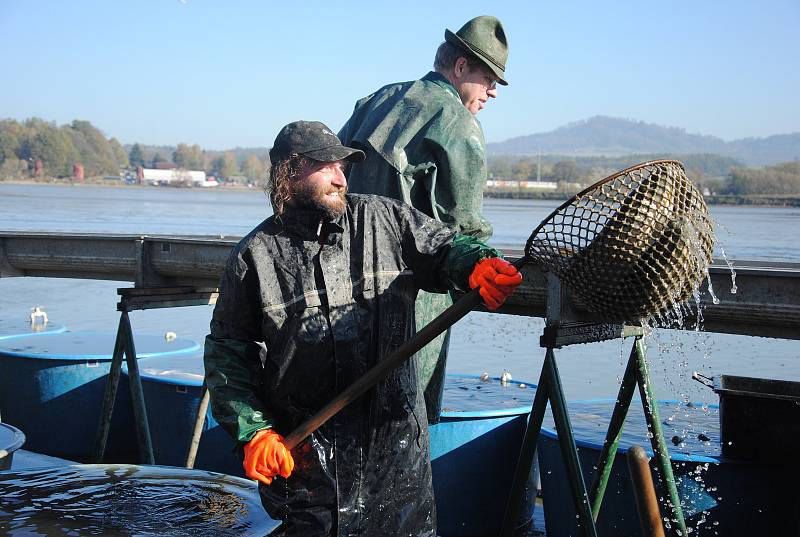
x=233, y=164
x=37, y=147
x=713, y=174
x=780, y=179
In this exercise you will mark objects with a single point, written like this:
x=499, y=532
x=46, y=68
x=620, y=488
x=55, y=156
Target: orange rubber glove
x=265, y=457
x=497, y=278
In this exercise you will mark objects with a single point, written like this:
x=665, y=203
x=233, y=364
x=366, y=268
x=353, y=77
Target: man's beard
x=315, y=197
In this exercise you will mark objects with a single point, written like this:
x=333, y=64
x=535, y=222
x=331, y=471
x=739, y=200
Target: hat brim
x=498, y=73
x=334, y=153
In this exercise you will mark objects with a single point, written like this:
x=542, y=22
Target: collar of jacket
x=440, y=80
x=306, y=223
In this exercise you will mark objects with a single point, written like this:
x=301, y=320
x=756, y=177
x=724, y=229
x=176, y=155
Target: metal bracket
x=165, y=297
x=568, y=326
x=555, y=337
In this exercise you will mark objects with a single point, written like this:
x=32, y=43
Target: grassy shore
x=762, y=200
x=754, y=200
x=111, y=183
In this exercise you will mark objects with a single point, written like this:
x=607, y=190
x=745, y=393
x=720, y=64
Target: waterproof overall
x=425, y=148
x=298, y=321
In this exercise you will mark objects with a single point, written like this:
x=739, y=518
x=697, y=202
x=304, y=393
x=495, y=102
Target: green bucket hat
x=485, y=38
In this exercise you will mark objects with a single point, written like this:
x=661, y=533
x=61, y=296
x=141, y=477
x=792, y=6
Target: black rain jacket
x=297, y=321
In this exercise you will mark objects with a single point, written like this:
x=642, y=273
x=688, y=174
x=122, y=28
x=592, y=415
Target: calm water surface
x=127, y=500
x=482, y=342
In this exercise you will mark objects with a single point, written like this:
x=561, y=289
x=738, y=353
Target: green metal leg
x=658, y=442
x=109, y=398
x=526, y=454
x=137, y=395
x=549, y=387
x=569, y=452
x=609, y=451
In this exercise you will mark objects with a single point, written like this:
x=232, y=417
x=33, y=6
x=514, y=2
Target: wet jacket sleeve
x=440, y=258
x=460, y=153
x=233, y=353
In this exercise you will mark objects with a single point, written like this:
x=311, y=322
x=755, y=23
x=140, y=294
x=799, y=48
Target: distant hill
x=608, y=136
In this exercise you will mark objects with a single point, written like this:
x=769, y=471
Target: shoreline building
x=150, y=176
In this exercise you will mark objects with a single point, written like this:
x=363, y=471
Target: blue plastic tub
x=172, y=388
x=718, y=496
x=125, y=499
x=52, y=387
x=11, y=328
x=474, y=451
x=11, y=439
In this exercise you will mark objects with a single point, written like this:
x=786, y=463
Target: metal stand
x=124, y=344
x=637, y=374
x=140, y=299
x=558, y=333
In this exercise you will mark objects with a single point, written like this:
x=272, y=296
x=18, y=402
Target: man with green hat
x=424, y=146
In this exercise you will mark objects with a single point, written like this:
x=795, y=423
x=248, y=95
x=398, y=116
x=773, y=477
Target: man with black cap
x=424, y=146
x=309, y=301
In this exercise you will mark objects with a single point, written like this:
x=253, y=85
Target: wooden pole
x=441, y=323
x=199, y=422
x=645, y=493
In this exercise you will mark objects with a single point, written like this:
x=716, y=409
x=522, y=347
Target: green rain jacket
x=297, y=321
x=425, y=148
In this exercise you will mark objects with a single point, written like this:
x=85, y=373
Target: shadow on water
x=129, y=500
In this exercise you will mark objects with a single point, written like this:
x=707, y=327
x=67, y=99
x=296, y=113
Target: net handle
x=438, y=325
x=427, y=334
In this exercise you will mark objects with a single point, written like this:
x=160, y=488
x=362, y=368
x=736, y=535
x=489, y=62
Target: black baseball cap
x=314, y=140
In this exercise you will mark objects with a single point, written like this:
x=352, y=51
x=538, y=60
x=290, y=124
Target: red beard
x=316, y=197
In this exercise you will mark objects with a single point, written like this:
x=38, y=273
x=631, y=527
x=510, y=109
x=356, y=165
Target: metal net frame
x=633, y=245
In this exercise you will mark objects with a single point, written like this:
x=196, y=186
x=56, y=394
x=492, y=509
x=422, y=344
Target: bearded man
x=311, y=299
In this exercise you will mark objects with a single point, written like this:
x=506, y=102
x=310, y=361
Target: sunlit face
x=475, y=85
x=321, y=186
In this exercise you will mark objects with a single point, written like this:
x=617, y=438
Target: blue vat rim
x=18, y=438
x=99, y=357
x=60, y=330
x=159, y=379
x=496, y=413
x=682, y=457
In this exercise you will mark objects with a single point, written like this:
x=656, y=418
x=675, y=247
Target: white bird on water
x=38, y=315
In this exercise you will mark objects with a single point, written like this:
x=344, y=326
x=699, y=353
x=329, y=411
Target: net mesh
x=634, y=245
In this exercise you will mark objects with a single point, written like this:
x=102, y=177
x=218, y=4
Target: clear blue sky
x=225, y=74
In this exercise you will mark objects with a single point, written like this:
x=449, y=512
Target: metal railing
x=767, y=301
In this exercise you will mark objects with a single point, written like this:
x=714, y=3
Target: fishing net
x=634, y=245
